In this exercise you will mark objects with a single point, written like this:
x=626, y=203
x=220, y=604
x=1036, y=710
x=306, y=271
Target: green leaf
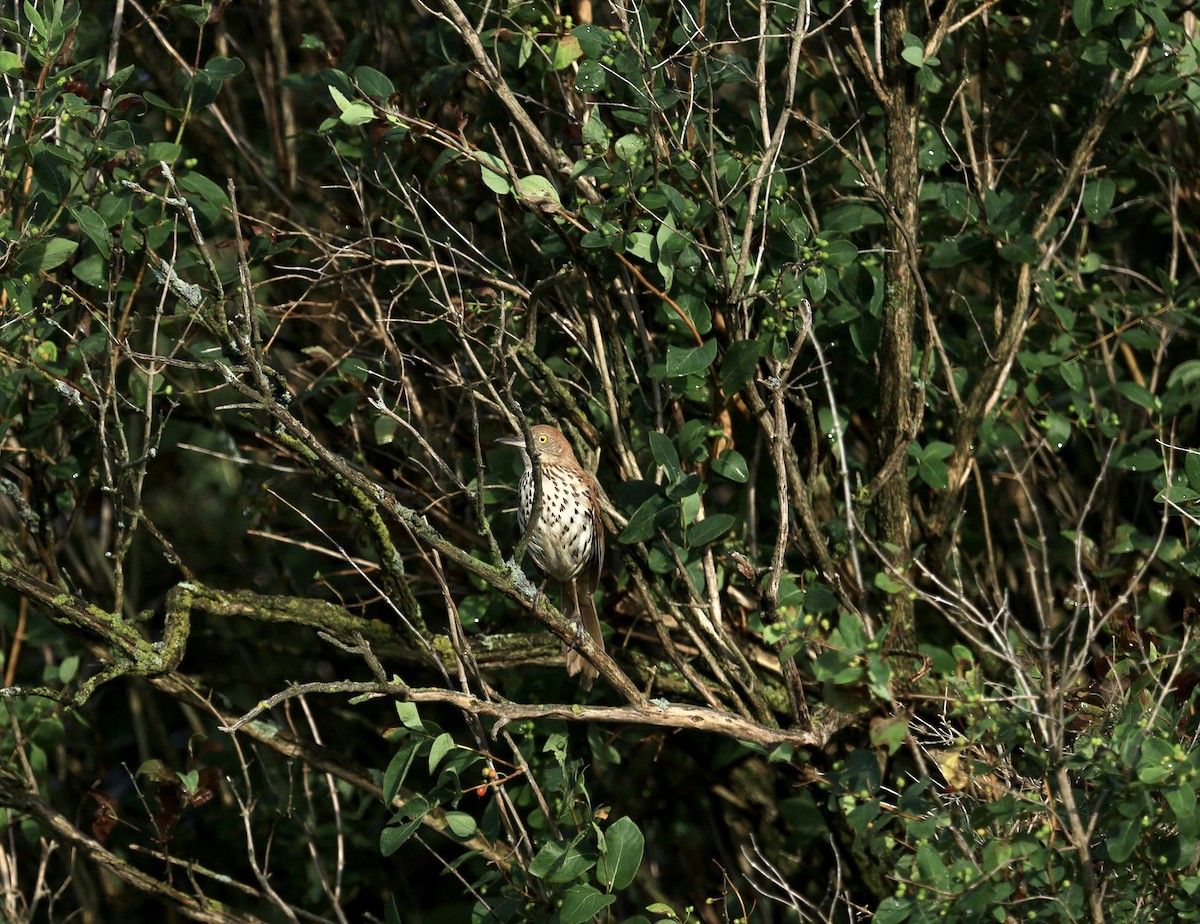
x=913, y=52
x=373, y=83
x=46, y=353
x=559, y=862
x=113, y=209
x=630, y=147
x=1004, y=209
x=731, y=464
x=538, y=187
x=593, y=40
x=665, y=455
x=819, y=599
x=93, y=226
x=343, y=407
x=202, y=186
x=493, y=173
x=1182, y=802
x=670, y=245
x=890, y=732
x=353, y=112
x=198, y=13
x=156, y=770
x=11, y=64
x=566, y=50
x=690, y=360
x=1140, y=460
x=397, y=770
x=641, y=525
x=638, y=243
x=409, y=717
x=933, y=869
x=934, y=473
x=687, y=490
x=709, y=529
x=737, y=368
x=68, y=668
x=1185, y=374
x=879, y=677
x=893, y=911
x=595, y=132
x=624, y=846
x=692, y=441
x=1157, y=761
x=956, y=199
x=1023, y=250
x=442, y=745
x=224, y=68
x=816, y=282
x=409, y=817
x=1098, y=196
x=354, y=368
x=1072, y=375
x=460, y=824
x=1138, y=394
x=526, y=51
x=605, y=236
x=927, y=78
x=582, y=903
x=41, y=256
x=840, y=253
x=887, y=583
x=35, y=19
x=163, y=150
x=118, y=80
x=590, y=78
x=1156, y=84
x=1191, y=468
x=190, y=780
x=54, y=172
x=852, y=632
x=92, y=270
x=1058, y=429
x=385, y=430
x=1124, y=841
x=1083, y=14
x=851, y=216
x=159, y=103
x=862, y=816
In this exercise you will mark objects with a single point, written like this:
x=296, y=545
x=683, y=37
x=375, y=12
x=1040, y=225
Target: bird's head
x=548, y=444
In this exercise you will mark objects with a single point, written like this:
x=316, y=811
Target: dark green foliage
x=877, y=323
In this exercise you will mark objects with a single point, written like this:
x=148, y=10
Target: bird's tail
x=581, y=610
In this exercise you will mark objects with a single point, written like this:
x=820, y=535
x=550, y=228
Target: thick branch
x=895, y=419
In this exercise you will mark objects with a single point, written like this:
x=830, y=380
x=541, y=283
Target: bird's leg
x=570, y=609
x=577, y=663
x=537, y=600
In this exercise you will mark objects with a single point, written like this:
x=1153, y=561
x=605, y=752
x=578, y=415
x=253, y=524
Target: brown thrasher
x=567, y=541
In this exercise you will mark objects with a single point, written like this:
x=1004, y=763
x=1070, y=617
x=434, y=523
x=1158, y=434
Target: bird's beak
x=516, y=440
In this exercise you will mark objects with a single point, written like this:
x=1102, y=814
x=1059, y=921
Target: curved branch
x=657, y=713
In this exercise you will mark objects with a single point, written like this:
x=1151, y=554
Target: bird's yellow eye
x=542, y=438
